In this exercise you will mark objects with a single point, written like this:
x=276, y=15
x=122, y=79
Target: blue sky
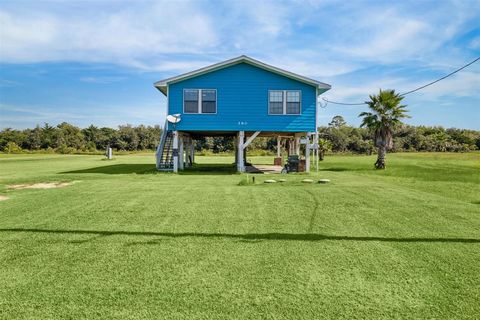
x=95, y=61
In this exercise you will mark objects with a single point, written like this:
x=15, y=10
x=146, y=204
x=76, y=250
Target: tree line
x=67, y=138
x=406, y=138
x=337, y=137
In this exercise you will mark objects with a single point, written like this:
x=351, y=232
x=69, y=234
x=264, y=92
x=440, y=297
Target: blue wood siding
x=242, y=101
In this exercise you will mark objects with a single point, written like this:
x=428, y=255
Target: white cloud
x=20, y=34
x=391, y=35
x=463, y=84
x=8, y=83
x=102, y=80
x=311, y=63
x=268, y=17
x=340, y=37
x=475, y=43
x=19, y=116
x=178, y=65
x=119, y=36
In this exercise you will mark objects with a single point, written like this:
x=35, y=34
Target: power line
x=448, y=75
x=411, y=91
x=343, y=104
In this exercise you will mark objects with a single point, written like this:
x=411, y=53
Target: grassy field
x=127, y=242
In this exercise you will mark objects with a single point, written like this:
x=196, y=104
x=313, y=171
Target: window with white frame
x=284, y=102
x=200, y=101
x=209, y=101
x=190, y=101
x=293, y=102
x=275, y=104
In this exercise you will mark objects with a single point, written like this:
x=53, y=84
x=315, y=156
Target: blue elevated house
x=240, y=97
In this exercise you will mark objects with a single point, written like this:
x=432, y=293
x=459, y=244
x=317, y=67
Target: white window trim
x=284, y=95
x=200, y=101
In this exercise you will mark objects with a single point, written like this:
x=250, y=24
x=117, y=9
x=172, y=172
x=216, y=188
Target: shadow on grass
x=211, y=168
x=248, y=236
x=120, y=169
x=335, y=169
x=197, y=169
x=342, y=169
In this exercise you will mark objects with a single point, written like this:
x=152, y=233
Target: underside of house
x=177, y=148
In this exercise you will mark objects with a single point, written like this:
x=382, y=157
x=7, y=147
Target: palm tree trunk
x=382, y=152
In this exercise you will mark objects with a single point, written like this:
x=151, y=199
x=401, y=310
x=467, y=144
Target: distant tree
x=91, y=135
x=337, y=122
x=127, y=138
x=11, y=135
x=106, y=137
x=148, y=137
x=48, y=136
x=324, y=146
x=385, y=116
x=338, y=136
x=34, y=140
x=200, y=143
x=70, y=136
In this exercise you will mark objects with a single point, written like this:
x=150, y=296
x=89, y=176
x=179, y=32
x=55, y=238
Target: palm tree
x=384, y=118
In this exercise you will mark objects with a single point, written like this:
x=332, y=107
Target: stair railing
x=161, y=145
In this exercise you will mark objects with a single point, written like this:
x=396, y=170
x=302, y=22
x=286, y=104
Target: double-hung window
x=284, y=102
x=275, y=104
x=293, y=102
x=190, y=101
x=200, y=101
x=209, y=101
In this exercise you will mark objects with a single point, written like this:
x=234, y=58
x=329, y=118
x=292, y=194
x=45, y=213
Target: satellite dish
x=174, y=118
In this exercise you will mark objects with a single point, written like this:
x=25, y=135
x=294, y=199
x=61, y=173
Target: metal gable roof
x=162, y=84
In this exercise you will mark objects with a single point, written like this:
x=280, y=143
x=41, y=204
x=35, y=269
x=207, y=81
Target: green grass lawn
x=127, y=242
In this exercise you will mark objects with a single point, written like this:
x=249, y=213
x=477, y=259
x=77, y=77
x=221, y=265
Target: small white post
x=279, y=147
x=316, y=150
x=235, y=147
x=181, y=156
x=307, y=154
x=278, y=160
x=175, y=151
x=109, y=153
x=187, y=151
x=240, y=163
x=192, y=151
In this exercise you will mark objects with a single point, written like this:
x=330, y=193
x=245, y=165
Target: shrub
x=12, y=147
x=64, y=149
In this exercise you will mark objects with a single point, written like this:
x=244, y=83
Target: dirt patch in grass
x=42, y=185
x=3, y=198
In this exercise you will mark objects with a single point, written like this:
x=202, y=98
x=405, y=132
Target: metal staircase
x=165, y=150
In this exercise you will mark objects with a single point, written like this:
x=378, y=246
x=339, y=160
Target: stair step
x=165, y=155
